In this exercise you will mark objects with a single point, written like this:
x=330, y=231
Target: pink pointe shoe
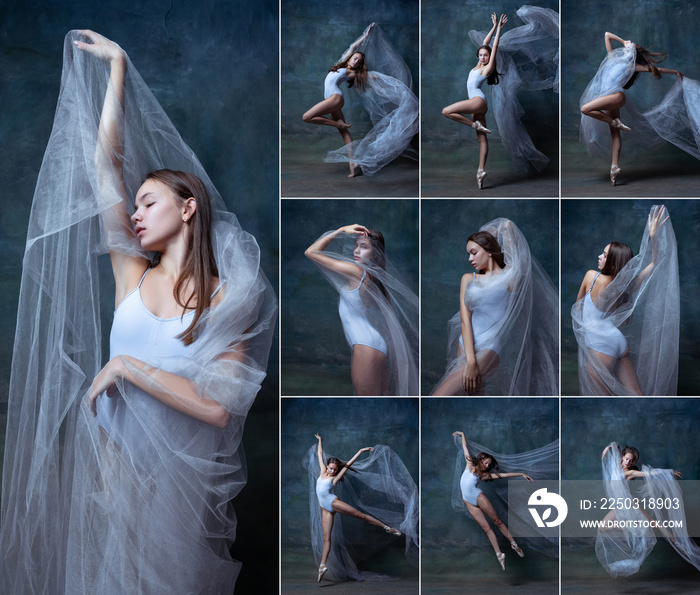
x=480, y=175
x=617, y=123
x=479, y=127
x=501, y=560
x=614, y=171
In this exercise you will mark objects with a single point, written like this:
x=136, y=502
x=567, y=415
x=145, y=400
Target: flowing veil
x=379, y=485
x=389, y=101
x=540, y=464
x=643, y=301
x=395, y=317
x=621, y=551
x=528, y=331
x=83, y=510
x=528, y=59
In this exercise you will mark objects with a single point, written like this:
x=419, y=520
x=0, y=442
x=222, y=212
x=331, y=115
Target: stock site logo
x=549, y=501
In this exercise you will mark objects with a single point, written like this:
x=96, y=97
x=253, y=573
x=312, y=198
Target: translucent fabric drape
x=540, y=464
x=676, y=118
x=390, y=103
x=621, y=551
x=528, y=59
x=395, y=318
x=378, y=484
x=145, y=508
x=643, y=302
x=528, y=330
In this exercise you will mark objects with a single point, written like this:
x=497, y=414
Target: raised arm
x=507, y=475
x=643, y=68
x=491, y=66
x=319, y=453
x=656, y=220
x=348, y=269
x=471, y=376
x=347, y=465
x=357, y=43
x=465, y=448
x=489, y=35
x=610, y=37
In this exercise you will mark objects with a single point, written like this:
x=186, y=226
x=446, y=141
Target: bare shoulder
x=467, y=278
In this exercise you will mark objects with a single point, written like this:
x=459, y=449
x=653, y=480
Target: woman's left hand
x=527, y=477
x=655, y=221
x=101, y=47
x=677, y=474
x=679, y=75
x=503, y=20
x=367, y=449
x=105, y=382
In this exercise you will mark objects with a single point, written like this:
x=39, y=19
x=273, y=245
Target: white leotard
x=486, y=315
x=333, y=81
x=474, y=83
x=467, y=484
x=599, y=332
x=355, y=316
x=324, y=493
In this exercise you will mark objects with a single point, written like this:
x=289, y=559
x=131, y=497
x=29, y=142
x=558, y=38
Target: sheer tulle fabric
x=676, y=118
x=378, y=484
x=540, y=464
x=647, y=312
x=528, y=331
x=85, y=511
x=390, y=103
x=528, y=59
x=395, y=319
x=621, y=551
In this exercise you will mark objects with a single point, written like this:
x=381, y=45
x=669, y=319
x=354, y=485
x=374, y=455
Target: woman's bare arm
x=347, y=465
x=609, y=38
x=348, y=269
x=465, y=448
x=319, y=453
x=491, y=66
x=489, y=35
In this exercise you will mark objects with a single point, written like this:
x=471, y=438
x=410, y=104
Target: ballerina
x=611, y=363
x=476, y=105
x=378, y=312
x=620, y=548
x=503, y=340
x=605, y=96
x=144, y=474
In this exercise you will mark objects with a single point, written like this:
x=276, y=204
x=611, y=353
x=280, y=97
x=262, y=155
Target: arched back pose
x=484, y=71
x=331, y=474
x=503, y=340
x=484, y=467
x=626, y=317
x=105, y=505
x=382, y=82
x=605, y=96
x=378, y=312
x=622, y=549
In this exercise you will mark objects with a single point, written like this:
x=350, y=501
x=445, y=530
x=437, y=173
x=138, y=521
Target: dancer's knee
x=446, y=112
x=307, y=117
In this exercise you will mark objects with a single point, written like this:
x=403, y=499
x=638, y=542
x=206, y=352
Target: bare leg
x=616, y=139
x=487, y=361
x=347, y=139
x=483, y=141
x=369, y=374
x=457, y=111
x=627, y=375
x=316, y=115
x=479, y=517
x=327, y=519
x=598, y=107
x=343, y=508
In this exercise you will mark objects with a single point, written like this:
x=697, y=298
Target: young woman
x=503, y=340
x=378, y=312
x=605, y=96
x=622, y=549
x=382, y=82
x=332, y=472
x=647, y=363
x=484, y=71
x=484, y=467
x=116, y=497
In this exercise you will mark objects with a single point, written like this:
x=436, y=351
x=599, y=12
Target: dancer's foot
x=388, y=529
x=617, y=123
x=614, y=170
x=480, y=175
x=479, y=127
x=501, y=559
x=354, y=171
x=517, y=549
x=322, y=569
x=343, y=125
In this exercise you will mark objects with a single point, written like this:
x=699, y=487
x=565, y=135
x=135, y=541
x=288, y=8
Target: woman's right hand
x=101, y=47
x=317, y=437
x=605, y=451
x=458, y=433
x=471, y=378
x=355, y=229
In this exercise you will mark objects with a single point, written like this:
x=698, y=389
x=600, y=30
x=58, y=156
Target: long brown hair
x=200, y=264
x=492, y=468
x=378, y=257
x=648, y=59
x=340, y=464
x=619, y=254
x=488, y=242
x=359, y=78
x=493, y=77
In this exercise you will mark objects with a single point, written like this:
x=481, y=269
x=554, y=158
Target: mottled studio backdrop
x=315, y=354
x=212, y=64
x=590, y=225
x=446, y=225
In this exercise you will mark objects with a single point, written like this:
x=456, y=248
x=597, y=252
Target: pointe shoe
x=479, y=127
x=501, y=560
x=480, y=175
x=388, y=529
x=617, y=123
x=614, y=170
x=517, y=549
x=322, y=569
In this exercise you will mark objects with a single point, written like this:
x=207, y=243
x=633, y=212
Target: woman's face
x=486, y=464
x=483, y=56
x=331, y=469
x=355, y=60
x=363, y=250
x=628, y=460
x=602, y=259
x=478, y=257
x=158, y=218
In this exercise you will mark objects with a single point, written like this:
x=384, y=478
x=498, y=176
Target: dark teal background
x=590, y=225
